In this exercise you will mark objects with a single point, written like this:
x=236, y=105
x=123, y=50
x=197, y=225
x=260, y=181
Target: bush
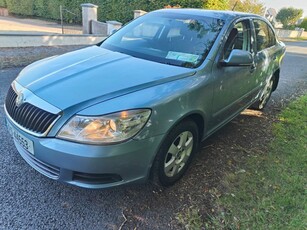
x=3, y=3
x=304, y=24
x=119, y=10
x=290, y=27
x=24, y=7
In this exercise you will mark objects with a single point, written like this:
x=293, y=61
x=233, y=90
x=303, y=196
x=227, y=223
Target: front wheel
x=265, y=95
x=176, y=153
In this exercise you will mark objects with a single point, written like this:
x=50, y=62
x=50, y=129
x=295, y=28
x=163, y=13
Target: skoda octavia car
x=137, y=105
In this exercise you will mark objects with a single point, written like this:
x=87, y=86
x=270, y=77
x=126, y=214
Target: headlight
x=110, y=128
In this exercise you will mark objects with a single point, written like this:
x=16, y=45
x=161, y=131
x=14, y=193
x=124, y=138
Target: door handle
x=253, y=68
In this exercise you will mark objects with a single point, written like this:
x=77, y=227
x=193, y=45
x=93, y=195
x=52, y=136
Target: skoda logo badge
x=19, y=99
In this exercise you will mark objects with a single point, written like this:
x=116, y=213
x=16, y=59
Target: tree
x=249, y=6
x=216, y=4
x=181, y=3
x=289, y=16
x=304, y=24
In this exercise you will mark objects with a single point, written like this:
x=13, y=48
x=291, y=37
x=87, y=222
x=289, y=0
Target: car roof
x=221, y=14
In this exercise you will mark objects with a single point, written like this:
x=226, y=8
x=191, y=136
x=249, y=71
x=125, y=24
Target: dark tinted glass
x=265, y=37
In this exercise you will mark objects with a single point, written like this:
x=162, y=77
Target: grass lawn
x=270, y=193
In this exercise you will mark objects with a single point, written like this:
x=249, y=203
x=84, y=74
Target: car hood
x=93, y=75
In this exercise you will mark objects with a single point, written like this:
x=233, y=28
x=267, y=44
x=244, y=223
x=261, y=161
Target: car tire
x=265, y=95
x=176, y=153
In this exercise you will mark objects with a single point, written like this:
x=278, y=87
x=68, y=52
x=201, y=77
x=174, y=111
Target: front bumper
x=91, y=166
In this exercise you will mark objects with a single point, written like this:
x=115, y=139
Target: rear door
x=266, y=59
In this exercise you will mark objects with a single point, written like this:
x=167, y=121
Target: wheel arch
x=276, y=79
x=196, y=117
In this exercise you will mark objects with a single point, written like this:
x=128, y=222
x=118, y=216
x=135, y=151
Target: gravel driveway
x=29, y=200
x=9, y=24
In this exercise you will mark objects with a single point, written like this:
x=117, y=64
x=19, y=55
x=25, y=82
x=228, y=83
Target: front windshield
x=174, y=39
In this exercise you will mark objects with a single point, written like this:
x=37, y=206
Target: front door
x=232, y=83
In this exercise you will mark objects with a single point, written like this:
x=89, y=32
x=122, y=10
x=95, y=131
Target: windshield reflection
x=174, y=39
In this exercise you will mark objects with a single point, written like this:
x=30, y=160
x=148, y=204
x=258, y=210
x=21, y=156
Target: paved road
x=293, y=75
x=29, y=200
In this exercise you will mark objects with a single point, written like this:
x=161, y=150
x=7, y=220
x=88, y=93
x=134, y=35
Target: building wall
x=290, y=33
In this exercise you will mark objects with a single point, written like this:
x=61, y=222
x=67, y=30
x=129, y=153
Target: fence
x=290, y=33
x=70, y=21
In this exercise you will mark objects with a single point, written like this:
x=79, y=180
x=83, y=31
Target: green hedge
x=2, y=3
x=24, y=7
x=120, y=10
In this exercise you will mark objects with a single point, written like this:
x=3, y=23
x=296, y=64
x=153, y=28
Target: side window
x=272, y=37
x=238, y=38
x=265, y=37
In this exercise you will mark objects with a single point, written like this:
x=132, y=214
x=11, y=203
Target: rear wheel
x=265, y=95
x=176, y=153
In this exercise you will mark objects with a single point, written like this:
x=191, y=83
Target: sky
x=278, y=4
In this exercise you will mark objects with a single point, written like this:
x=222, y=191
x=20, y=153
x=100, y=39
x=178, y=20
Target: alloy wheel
x=178, y=153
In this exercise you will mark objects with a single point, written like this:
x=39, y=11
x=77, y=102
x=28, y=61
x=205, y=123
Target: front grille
x=28, y=116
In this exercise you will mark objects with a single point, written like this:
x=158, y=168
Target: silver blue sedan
x=137, y=105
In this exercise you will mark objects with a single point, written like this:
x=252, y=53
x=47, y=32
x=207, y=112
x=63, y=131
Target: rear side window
x=265, y=36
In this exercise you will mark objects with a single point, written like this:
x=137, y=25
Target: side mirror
x=238, y=58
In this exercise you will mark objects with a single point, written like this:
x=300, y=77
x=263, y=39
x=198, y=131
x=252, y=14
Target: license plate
x=21, y=139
